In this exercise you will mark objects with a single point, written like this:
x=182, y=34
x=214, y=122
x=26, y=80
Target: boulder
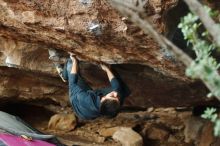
x=144, y=82
x=108, y=132
x=128, y=137
x=95, y=32
x=200, y=132
x=193, y=128
x=62, y=122
x=156, y=133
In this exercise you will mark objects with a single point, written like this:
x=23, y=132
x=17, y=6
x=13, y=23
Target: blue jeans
x=66, y=74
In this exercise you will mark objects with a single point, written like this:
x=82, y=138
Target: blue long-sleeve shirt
x=86, y=104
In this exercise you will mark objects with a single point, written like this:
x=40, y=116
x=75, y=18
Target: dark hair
x=110, y=108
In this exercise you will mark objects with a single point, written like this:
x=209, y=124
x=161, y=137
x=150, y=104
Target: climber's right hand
x=73, y=58
x=104, y=67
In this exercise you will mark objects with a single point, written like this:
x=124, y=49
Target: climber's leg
x=80, y=82
x=58, y=61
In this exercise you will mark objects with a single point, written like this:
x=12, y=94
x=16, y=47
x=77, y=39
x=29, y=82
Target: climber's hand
x=73, y=58
x=74, y=69
x=104, y=67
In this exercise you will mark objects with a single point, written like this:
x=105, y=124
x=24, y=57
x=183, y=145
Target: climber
x=88, y=103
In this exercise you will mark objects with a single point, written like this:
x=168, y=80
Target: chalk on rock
x=95, y=28
x=85, y=2
x=128, y=137
x=10, y=62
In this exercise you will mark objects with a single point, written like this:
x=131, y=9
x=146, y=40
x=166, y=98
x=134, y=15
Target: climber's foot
x=59, y=69
x=56, y=56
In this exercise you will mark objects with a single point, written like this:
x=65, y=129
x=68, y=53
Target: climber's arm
x=108, y=72
x=73, y=77
x=74, y=69
x=112, y=79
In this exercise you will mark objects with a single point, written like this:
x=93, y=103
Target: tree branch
x=147, y=27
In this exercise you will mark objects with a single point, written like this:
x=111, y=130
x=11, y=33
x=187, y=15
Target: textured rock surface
x=68, y=25
x=108, y=132
x=95, y=32
x=157, y=133
x=128, y=137
x=200, y=132
x=62, y=122
x=38, y=79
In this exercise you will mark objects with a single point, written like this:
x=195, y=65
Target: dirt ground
x=157, y=126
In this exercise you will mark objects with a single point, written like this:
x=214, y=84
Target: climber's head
x=110, y=104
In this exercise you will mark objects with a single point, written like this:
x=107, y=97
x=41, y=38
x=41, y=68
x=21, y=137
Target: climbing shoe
x=59, y=69
x=56, y=56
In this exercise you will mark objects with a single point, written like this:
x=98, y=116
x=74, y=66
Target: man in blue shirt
x=88, y=103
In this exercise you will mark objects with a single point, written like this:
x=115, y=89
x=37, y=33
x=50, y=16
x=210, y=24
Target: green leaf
x=217, y=128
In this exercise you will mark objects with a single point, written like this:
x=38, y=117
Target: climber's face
x=111, y=96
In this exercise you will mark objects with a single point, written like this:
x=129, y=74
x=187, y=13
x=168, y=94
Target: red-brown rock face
x=96, y=33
